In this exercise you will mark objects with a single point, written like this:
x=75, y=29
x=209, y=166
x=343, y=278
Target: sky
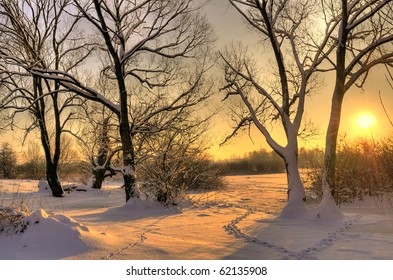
x=231, y=28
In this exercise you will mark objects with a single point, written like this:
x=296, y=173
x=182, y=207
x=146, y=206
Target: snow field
x=237, y=223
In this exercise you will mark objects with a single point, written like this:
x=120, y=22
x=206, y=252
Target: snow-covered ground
x=239, y=222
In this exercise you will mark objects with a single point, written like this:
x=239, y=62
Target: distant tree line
x=267, y=162
x=30, y=164
x=256, y=162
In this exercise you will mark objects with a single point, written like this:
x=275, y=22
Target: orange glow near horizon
x=366, y=120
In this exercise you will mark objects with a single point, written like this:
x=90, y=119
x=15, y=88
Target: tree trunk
x=98, y=178
x=329, y=172
x=125, y=131
x=328, y=205
x=53, y=179
x=51, y=166
x=100, y=165
x=129, y=186
x=296, y=205
x=126, y=140
x=128, y=161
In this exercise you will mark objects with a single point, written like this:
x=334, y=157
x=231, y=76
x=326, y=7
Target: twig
x=384, y=109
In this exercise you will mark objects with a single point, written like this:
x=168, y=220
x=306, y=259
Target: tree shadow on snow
x=134, y=209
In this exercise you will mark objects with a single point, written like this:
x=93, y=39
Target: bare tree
x=150, y=129
x=160, y=45
x=364, y=40
x=40, y=34
x=96, y=132
x=278, y=94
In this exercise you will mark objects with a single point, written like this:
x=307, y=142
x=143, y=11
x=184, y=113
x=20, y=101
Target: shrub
x=364, y=168
x=12, y=218
x=168, y=181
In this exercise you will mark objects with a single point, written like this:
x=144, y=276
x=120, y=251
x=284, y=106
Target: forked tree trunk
x=51, y=166
x=101, y=163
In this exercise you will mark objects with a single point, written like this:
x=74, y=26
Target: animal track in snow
x=141, y=239
x=233, y=229
x=326, y=242
x=307, y=253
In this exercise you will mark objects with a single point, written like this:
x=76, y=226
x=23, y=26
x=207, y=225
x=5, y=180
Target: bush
x=12, y=218
x=168, y=181
x=363, y=168
x=311, y=162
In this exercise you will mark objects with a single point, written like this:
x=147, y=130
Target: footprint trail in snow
x=307, y=253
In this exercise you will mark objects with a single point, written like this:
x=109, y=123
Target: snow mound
x=43, y=186
x=46, y=237
x=294, y=211
x=327, y=211
x=90, y=182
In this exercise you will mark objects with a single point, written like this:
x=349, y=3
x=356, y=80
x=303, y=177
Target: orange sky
x=356, y=102
x=231, y=28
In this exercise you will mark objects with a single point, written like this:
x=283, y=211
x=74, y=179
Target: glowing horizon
x=366, y=120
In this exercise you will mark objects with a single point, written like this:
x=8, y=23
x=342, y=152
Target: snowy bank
x=45, y=237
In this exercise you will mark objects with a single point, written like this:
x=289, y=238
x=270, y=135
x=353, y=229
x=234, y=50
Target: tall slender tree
x=288, y=31
x=364, y=40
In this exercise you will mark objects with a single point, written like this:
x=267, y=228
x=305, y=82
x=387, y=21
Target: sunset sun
x=366, y=120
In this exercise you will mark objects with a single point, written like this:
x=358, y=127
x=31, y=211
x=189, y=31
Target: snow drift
x=45, y=237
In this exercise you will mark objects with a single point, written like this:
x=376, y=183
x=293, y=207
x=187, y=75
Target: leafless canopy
x=289, y=31
x=151, y=42
x=155, y=52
